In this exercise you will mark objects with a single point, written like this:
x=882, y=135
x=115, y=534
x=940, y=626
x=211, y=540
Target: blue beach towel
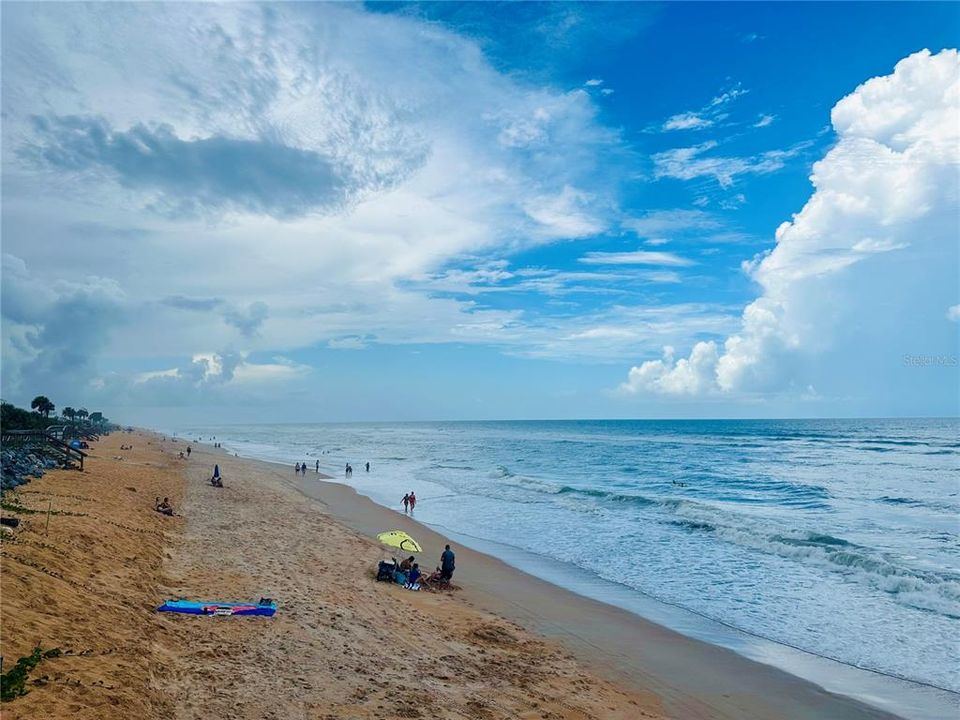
x=265, y=607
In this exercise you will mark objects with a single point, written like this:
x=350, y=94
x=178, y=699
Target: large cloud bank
x=866, y=272
x=238, y=179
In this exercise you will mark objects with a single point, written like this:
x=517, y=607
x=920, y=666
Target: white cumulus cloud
x=869, y=262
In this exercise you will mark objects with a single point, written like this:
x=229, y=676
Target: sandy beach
x=504, y=645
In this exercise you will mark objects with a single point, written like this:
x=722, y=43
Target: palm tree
x=69, y=413
x=82, y=413
x=42, y=404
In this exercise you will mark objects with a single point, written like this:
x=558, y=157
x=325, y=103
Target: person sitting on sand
x=165, y=507
x=433, y=580
x=413, y=578
x=407, y=564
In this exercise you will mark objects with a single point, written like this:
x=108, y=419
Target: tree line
x=15, y=418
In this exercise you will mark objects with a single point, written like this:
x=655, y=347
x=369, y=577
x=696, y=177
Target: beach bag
x=385, y=571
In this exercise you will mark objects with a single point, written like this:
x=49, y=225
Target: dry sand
x=341, y=645
x=87, y=583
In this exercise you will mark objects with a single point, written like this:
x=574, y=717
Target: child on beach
x=413, y=578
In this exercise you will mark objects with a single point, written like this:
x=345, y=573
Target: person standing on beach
x=406, y=503
x=318, y=467
x=297, y=469
x=188, y=451
x=413, y=501
x=447, y=564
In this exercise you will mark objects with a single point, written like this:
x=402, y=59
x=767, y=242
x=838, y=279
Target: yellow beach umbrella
x=399, y=539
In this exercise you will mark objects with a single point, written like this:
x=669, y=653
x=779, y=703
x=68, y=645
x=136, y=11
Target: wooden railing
x=44, y=442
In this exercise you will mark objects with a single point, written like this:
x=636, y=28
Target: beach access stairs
x=49, y=442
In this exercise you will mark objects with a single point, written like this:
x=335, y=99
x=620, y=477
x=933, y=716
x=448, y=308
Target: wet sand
x=504, y=646
x=689, y=678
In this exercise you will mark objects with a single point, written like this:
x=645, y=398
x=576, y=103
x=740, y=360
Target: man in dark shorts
x=447, y=564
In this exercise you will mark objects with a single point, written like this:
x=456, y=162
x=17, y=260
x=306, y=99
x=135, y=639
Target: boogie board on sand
x=192, y=607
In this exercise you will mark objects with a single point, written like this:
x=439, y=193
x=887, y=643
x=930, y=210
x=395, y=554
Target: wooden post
x=49, y=508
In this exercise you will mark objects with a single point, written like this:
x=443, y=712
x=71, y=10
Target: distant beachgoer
x=156, y=503
x=188, y=451
x=413, y=501
x=368, y=467
x=165, y=507
x=349, y=471
x=318, y=466
x=406, y=503
x=447, y=564
x=297, y=469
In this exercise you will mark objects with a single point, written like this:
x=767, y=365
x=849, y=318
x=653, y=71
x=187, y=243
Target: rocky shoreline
x=20, y=465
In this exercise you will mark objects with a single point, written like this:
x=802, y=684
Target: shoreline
x=875, y=691
x=505, y=645
x=692, y=678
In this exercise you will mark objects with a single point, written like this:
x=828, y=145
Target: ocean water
x=835, y=537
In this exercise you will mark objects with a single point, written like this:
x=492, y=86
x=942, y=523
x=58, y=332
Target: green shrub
x=13, y=683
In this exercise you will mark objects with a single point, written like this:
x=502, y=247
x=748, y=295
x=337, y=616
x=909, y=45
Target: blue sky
x=488, y=210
